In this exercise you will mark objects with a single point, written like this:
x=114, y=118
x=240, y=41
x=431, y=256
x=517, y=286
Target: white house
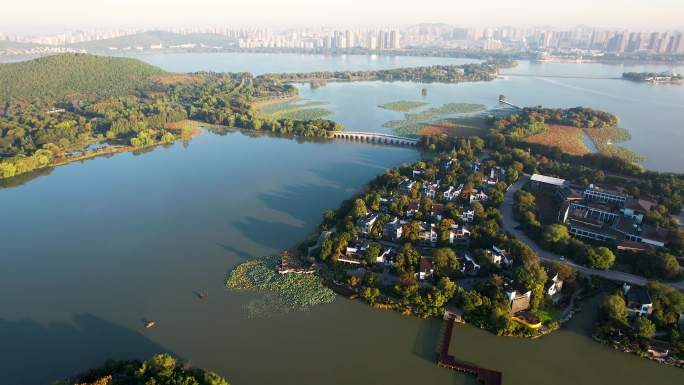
x=469, y=266
x=366, y=224
x=468, y=216
x=393, y=230
x=554, y=286
x=430, y=190
x=406, y=185
x=499, y=256
x=478, y=196
x=452, y=193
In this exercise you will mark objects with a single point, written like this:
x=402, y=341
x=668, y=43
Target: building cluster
x=391, y=233
x=327, y=40
x=603, y=214
x=578, y=41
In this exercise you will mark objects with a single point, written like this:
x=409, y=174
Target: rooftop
x=548, y=180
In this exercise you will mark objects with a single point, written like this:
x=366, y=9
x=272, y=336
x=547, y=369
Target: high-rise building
x=382, y=40
x=349, y=39
x=372, y=42
x=618, y=43
x=678, y=44
x=394, y=40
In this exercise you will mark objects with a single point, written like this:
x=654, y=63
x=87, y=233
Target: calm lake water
x=93, y=249
x=260, y=63
x=651, y=113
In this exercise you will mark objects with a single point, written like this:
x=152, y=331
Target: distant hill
x=66, y=74
x=147, y=39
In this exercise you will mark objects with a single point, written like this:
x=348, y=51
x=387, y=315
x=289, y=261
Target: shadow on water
x=65, y=349
x=242, y=255
x=302, y=202
x=272, y=235
x=22, y=179
x=427, y=339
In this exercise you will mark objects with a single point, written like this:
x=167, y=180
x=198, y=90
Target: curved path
x=510, y=224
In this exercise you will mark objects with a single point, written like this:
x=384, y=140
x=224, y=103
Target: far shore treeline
x=53, y=108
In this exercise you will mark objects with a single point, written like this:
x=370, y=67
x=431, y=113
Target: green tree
x=555, y=234
x=370, y=294
x=408, y=258
x=601, y=258
x=373, y=252
x=444, y=262
x=359, y=210
x=615, y=308
x=644, y=327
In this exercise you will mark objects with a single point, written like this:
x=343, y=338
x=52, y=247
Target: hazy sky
x=55, y=15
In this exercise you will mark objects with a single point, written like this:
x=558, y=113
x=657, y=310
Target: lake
x=91, y=250
x=650, y=112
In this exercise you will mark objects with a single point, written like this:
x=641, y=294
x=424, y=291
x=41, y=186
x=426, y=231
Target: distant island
x=652, y=77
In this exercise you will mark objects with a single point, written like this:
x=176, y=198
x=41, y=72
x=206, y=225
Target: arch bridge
x=375, y=137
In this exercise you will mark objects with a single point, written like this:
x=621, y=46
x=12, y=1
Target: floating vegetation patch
x=284, y=293
x=403, y=105
x=605, y=138
x=306, y=114
x=290, y=108
x=413, y=123
x=461, y=126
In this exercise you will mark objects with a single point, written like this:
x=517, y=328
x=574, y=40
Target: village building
x=425, y=270
x=393, y=230
x=366, y=224
x=406, y=185
x=638, y=300
x=499, y=256
x=412, y=209
x=518, y=298
x=469, y=266
x=452, y=193
x=430, y=190
x=553, y=286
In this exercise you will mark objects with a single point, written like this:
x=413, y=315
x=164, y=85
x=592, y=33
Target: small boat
x=150, y=324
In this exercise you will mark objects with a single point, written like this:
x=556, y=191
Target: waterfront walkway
x=445, y=360
x=376, y=137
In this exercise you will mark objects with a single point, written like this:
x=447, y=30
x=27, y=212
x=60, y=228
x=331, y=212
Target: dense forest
x=65, y=103
x=161, y=369
x=485, y=71
x=59, y=76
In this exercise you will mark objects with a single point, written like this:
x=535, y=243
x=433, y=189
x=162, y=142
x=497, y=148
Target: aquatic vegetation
x=403, y=105
x=279, y=108
x=461, y=126
x=306, y=114
x=569, y=139
x=293, y=292
x=412, y=124
x=605, y=138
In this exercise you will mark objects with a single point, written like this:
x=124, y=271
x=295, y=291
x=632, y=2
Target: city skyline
x=44, y=17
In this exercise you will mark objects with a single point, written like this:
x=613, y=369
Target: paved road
x=510, y=224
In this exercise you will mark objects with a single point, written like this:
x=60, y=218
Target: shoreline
x=107, y=151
